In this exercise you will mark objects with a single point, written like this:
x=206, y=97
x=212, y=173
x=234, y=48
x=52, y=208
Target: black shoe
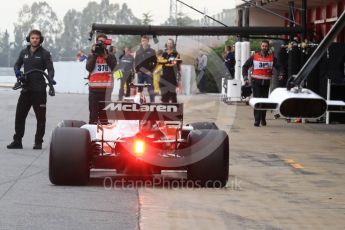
x=257, y=123
x=15, y=145
x=37, y=146
x=263, y=123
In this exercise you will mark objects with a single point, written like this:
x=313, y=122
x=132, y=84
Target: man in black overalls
x=34, y=94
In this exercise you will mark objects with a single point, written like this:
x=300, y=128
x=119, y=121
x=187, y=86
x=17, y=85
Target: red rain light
x=139, y=148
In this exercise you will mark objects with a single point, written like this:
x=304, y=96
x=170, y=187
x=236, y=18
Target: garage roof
x=283, y=4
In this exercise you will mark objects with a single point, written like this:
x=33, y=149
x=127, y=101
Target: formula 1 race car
x=144, y=139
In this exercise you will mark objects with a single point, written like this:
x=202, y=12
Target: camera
x=100, y=46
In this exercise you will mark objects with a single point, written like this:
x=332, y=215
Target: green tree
x=38, y=16
x=5, y=49
x=89, y=15
x=215, y=66
x=170, y=22
x=64, y=38
x=106, y=13
x=183, y=20
x=147, y=18
x=125, y=16
x=220, y=49
x=70, y=41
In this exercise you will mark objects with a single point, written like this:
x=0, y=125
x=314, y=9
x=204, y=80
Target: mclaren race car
x=143, y=139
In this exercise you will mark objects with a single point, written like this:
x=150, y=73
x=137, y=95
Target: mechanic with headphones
x=34, y=94
x=170, y=81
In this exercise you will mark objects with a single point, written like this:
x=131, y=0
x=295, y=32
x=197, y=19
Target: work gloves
x=19, y=74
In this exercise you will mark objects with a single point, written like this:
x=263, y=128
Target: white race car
x=144, y=139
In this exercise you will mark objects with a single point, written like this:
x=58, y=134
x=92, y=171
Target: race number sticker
x=263, y=65
x=101, y=68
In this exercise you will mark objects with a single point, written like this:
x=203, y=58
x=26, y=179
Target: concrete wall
x=70, y=78
x=259, y=17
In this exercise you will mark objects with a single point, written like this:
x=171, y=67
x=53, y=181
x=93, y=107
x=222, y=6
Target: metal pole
x=240, y=21
x=318, y=53
x=328, y=98
x=291, y=16
x=304, y=18
x=268, y=38
x=192, y=30
x=246, y=20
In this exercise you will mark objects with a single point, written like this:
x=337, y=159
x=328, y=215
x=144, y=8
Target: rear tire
x=203, y=125
x=71, y=123
x=213, y=170
x=69, y=162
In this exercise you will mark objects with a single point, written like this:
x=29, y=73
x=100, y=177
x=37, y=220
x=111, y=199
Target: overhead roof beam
x=191, y=30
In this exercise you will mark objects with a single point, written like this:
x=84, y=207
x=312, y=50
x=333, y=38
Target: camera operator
x=34, y=94
x=100, y=65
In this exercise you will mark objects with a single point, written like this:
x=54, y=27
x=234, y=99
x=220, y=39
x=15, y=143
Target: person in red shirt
x=100, y=64
x=262, y=64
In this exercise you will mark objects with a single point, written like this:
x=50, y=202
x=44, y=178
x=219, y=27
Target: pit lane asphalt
x=283, y=176
x=27, y=198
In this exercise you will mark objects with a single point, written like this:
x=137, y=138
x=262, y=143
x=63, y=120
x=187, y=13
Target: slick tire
x=213, y=169
x=69, y=162
x=71, y=123
x=203, y=125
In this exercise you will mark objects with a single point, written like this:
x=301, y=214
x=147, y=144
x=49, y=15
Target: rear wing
x=150, y=111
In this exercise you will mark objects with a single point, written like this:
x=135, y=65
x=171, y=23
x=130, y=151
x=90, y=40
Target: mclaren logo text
x=141, y=108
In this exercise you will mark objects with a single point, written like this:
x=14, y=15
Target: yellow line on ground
x=290, y=161
x=297, y=166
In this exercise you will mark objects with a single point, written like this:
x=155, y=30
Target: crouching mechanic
x=34, y=94
x=100, y=64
